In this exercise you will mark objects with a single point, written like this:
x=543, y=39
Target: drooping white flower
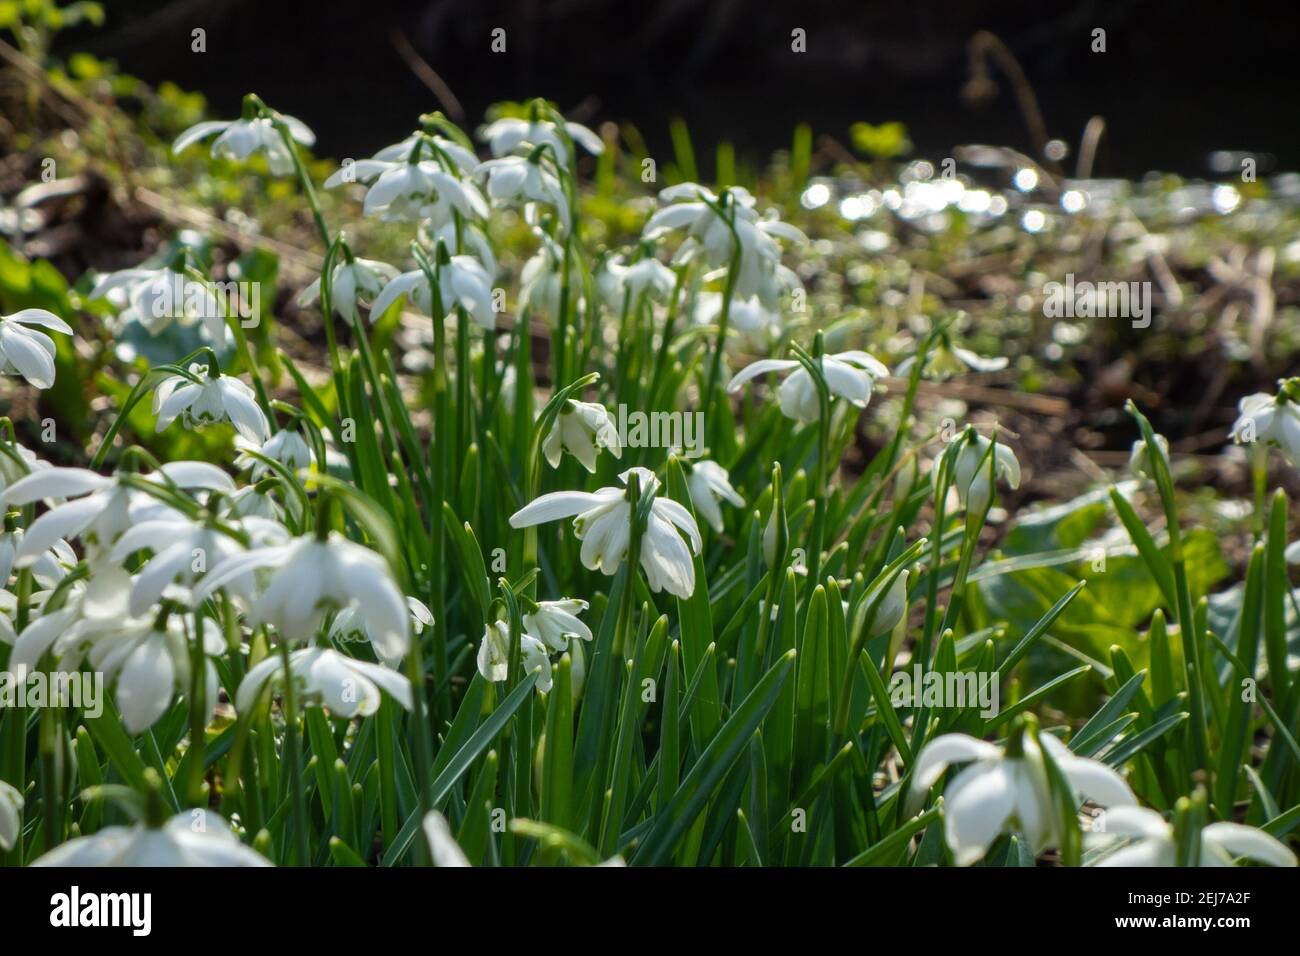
x=603, y=526
x=618, y=283
x=582, y=429
x=494, y=656
x=220, y=399
x=554, y=622
x=183, y=552
x=431, y=144
x=191, y=838
x=26, y=351
x=947, y=359
x=541, y=280
x=287, y=446
x=17, y=462
x=104, y=507
x=509, y=134
x=351, y=283
x=709, y=221
x=892, y=606
x=1272, y=419
x=445, y=851
x=850, y=375
x=749, y=319
x=350, y=624
x=524, y=179
x=708, y=483
x=1140, y=462
x=11, y=816
x=1152, y=841
x=469, y=238
x=155, y=298
x=241, y=138
x=48, y=569
x=1003, y=790
x=312, y=577
x=461, y=281
x=443, y=848
x=410, y=192
x=147, y=665
x=324, y=677
x=973, y=472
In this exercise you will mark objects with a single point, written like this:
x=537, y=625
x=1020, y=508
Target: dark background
x=1178, y=80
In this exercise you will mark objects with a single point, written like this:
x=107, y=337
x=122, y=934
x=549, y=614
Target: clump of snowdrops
x=489, y=624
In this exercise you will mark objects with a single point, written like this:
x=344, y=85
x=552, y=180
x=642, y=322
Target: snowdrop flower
x=27, y=352
x=582, y=429
x=351, y=283
x=250, y=502
x=409, y=192
x=470, y=236
x=287, y=446
x=191, y=838
x=11, y=816
x=350, y=624
x=554, y=622
x=603, y=526
x=48, y=569
x=18, y=463
x=892, y=606
x=104, y=508
x=443, y=847
x=241, y=138
x=524, y=179
x=312, y=576
x=219, y=398
x=432, y=144
x=1154, y=844
x=1008, y=789
x=749, y=318
x=708, y=482
x=709, y=220
x=445, y=851
x=618, y=283
x=154, y=298
x=494, y=656
x=948, y=360
x=148, y=665
x=1139, y=461
x=183, y=551
x=541, y=280
x=461, y=281
x=850, y=375
x=1269, y=418
x=322, y=676
x=506, y=135
x=971, y=472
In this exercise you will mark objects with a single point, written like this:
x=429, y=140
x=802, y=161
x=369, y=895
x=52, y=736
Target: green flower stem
x=440, y=453
x=293, y=757
x=300, y=170
x=559, y=333
x=198, y=718
x=628, y=602
x=724, y=320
